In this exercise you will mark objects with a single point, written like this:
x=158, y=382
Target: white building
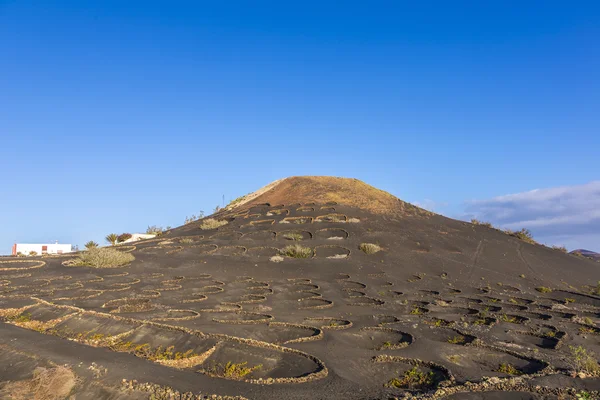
x=139, y=236
x=40, y=248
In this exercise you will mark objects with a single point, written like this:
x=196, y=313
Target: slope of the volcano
x=320, y=288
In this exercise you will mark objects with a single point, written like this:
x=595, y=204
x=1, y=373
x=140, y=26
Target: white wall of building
x=42, y=248
x=139, y=236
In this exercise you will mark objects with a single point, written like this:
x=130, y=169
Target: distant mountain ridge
x=587, y=253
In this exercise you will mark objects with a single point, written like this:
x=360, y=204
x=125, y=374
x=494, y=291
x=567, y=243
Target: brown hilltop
x=326, y=189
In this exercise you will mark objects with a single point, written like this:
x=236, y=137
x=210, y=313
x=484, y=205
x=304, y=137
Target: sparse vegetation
x=454, y=358
x=91, y=245
x=509, y=369
x=293, y=236
x=523, y=234
x=154, y=230
x=46, y=384
x=112, y=238
x=562, y=249
x=194, y=217
x=416, y=311
x=584, y=361
x=123, y=237
x=296, y=251
x=370, y=248
x=104, y=257
x=186, y=241
x=412, y=379
x=458, y=339
x=481, y=223
x=509, y=318
x=276, y=259
x=543, y=289
x=232, y=370
x=211, y=223
x=33, y=253
x=22, y=318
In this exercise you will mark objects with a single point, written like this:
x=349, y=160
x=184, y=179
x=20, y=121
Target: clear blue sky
x=115, y=115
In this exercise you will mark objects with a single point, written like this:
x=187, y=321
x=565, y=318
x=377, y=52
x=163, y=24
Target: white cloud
x=569, y=213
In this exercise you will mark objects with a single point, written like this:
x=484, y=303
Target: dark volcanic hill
x=587, y=253
x=310, y=288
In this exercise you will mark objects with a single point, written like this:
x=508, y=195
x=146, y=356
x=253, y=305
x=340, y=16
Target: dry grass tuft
x=293, y=236
x=297, y=251
x=276, y=259
x=211, y=223
x=47, y=384
x=104, y=257
x=370, y=248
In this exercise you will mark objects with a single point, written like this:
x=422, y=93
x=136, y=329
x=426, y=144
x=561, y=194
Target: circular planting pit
x=238, y=317
x=561, y=296
x=278, y=212
x=202, y=248
x=447, y=335
x=293, y=235
x=227, y=236
x=332, y=234
x=331, y=218
x=532, y=340
x=353, y=285
x=277, y=333
x=328, y=323
x=239, y=361
x=297, y=220
x=401, y=374
x=446, y=311
x=260, y=235
x=175, y=315
x=265, y=252
x=129, y=305
x=229, y=251
x=332, y=252
x=297, y=296
x=21, y=265
x=186, y=240
x=473, y=363
x=314, y=303
x=380, y=339
x=384, y=319
x=366, y=301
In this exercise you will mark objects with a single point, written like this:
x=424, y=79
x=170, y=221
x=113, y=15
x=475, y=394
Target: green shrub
x=458, y=339
x=233, y=370
x=543, y=289
x=104, y=257
x=584, y=361
x=506, y=368
x=370, y=248
x=123, y=237
x=211, y=223
x=412, y=379
x=33, y=253
x=296, y=251
x=560, y=248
